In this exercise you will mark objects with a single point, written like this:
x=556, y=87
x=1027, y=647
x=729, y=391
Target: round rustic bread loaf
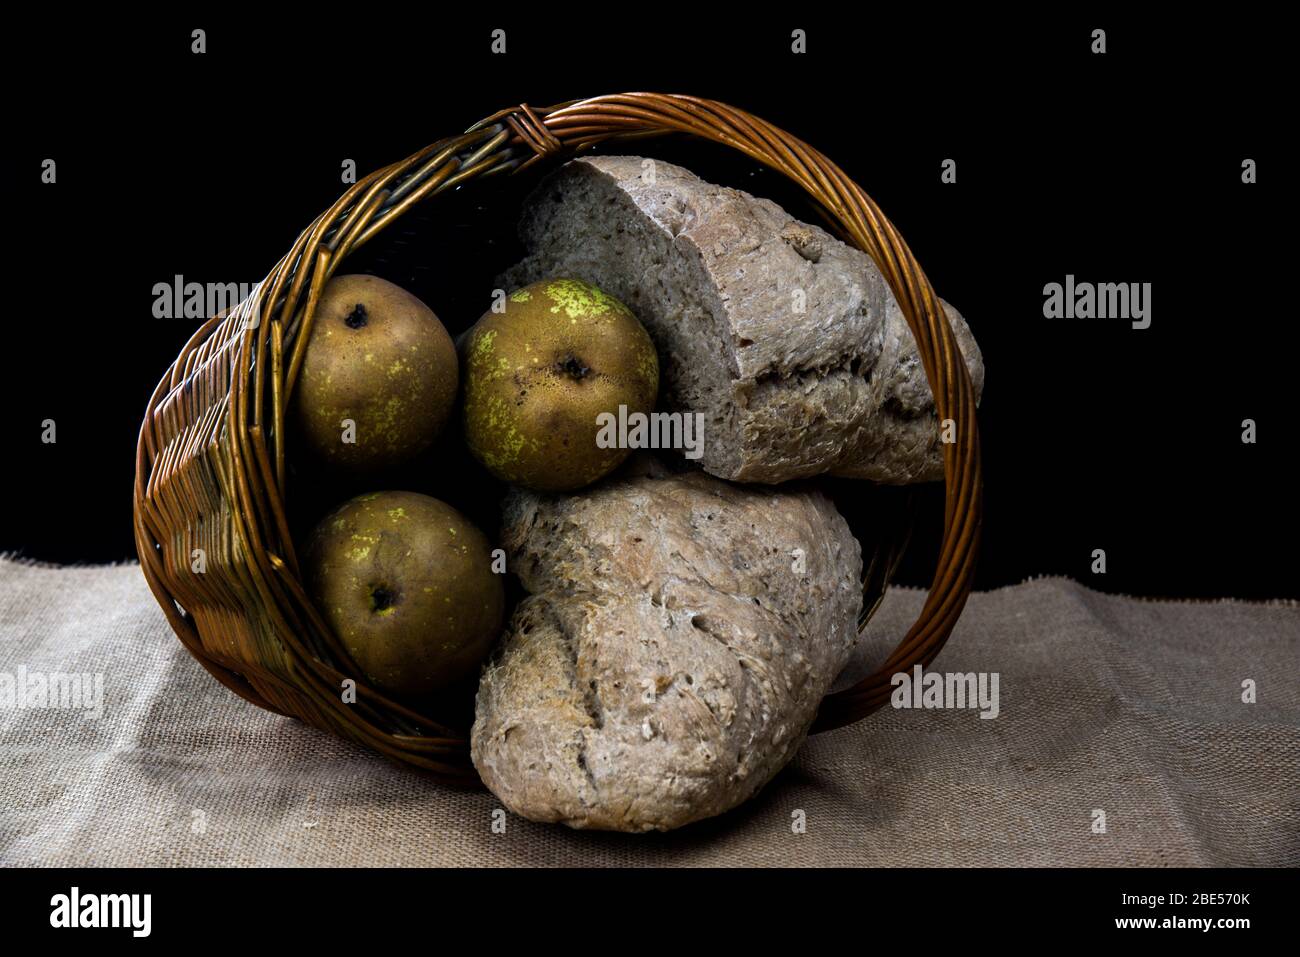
x=678, y=637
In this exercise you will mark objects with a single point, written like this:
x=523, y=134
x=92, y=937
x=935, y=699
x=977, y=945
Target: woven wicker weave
x=210, y=464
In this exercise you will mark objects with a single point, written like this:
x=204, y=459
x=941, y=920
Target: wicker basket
x=210, y=463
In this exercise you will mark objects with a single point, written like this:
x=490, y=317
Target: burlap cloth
x=1128, y=708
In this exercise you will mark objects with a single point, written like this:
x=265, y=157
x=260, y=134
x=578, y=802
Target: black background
x=1124, y=167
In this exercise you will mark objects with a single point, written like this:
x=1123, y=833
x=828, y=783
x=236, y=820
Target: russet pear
x=538, y=375
x=379, y=376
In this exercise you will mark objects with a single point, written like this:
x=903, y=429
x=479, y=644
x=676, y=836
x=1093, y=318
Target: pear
x=407, y=584
x=538, y=375
x=379, y=376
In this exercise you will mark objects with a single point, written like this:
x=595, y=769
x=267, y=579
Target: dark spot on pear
x=573, y=367
x=382, y=598
x=357, y=318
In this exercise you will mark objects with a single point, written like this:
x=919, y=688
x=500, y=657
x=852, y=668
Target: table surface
x=1124, y=736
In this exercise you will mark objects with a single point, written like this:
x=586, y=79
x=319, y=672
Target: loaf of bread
x=678, y=636
x=788, y=341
